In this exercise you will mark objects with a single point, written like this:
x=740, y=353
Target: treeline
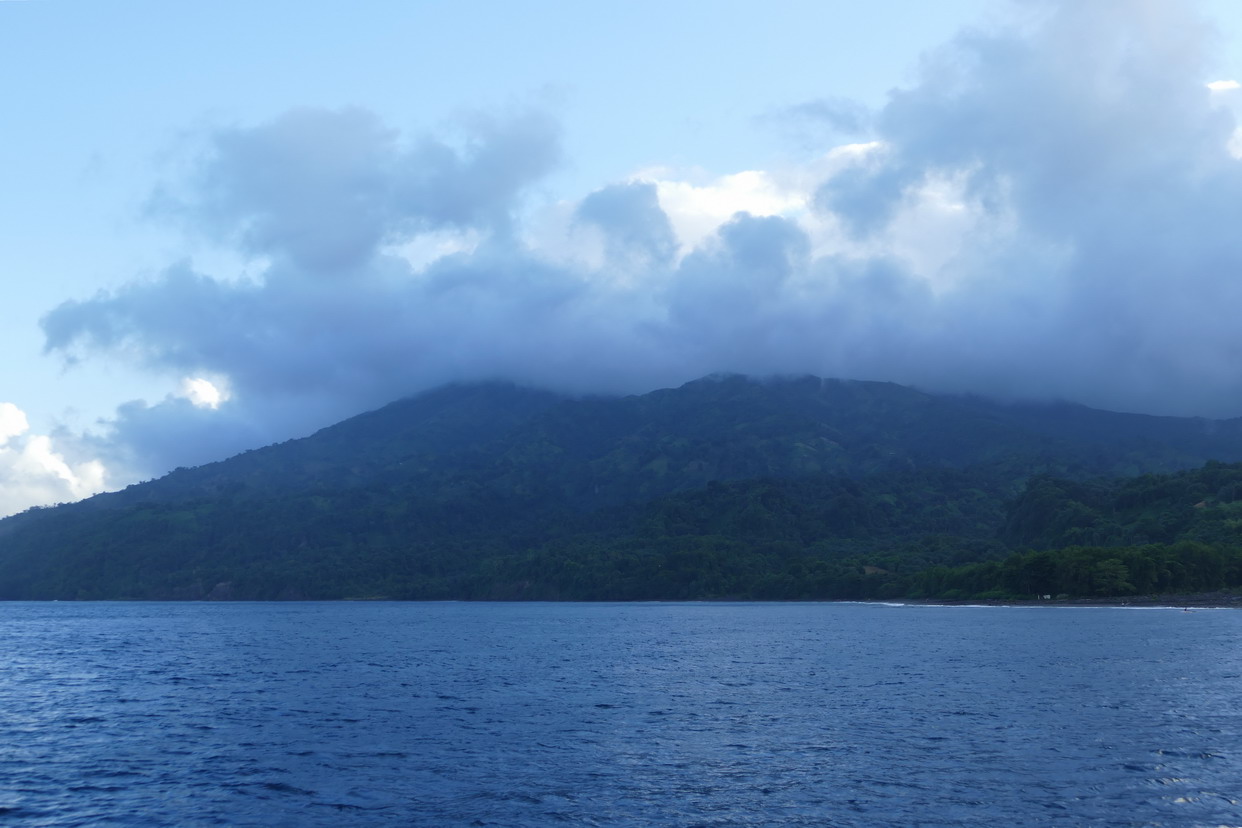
x=716, y=568
x=930, y=534
x=1152, y=534
x=1076, y=571
x=747, y=539
x=923, y=533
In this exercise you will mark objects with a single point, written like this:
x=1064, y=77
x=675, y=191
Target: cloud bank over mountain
x=33, y=471
x=1047, y=211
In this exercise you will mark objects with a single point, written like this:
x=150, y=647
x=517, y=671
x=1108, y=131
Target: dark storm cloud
x=1086, y=166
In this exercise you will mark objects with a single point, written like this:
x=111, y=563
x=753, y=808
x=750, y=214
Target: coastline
x=1196, y=600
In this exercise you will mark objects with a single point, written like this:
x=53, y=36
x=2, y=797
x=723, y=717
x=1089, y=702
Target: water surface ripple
x=618, y=715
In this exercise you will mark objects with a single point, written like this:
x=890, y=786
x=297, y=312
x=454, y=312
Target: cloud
x=202, y=392
x=33, y=472
x=1047, y=211
x=697, y=206
x=637, y=230
x=12, y=422
x=1102, y=180
x=840, y=115
x=323, y=188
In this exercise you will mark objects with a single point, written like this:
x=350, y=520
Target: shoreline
x=1189, y=601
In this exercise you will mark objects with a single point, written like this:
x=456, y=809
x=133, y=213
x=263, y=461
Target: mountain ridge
x=441, y=420
x=495, y=471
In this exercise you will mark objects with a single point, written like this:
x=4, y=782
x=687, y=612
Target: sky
x=229, y=224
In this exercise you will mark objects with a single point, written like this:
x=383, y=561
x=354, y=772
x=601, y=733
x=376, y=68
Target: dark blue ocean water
x=647, y=714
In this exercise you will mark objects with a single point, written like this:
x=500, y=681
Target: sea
x=651, y=714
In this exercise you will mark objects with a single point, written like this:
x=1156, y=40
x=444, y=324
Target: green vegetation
x=723, y=489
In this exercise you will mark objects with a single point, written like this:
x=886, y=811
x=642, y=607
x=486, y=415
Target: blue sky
x=232, y=223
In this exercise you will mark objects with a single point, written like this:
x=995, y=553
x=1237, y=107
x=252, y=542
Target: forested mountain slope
x=497, y=491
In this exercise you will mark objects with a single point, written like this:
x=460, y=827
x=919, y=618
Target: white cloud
x=696, y=210
x=427, y=248
x=12, y=422
x=698, y=204
x=203, y=392
x=1224, y=85
x=34, y=473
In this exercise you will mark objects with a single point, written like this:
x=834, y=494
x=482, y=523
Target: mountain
x=483, y=490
